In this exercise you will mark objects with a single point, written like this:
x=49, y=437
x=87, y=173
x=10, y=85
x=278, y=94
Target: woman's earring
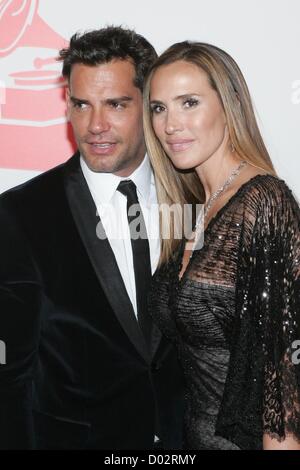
x=232, y=147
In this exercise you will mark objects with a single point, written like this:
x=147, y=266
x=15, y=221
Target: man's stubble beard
x=104, y=165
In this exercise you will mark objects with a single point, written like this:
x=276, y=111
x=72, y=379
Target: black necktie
x=140, y=254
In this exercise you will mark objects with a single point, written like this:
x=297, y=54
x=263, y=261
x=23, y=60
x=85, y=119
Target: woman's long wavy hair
x=177, y=188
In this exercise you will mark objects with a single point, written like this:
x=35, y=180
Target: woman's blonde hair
x=177, y=188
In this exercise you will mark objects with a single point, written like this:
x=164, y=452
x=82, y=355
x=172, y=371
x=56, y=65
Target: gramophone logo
x=33, y=130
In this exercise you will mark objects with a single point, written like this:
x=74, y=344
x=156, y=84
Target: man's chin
x=99, y=164
x=100, y=168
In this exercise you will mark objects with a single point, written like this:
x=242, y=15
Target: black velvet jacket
x=77, y=372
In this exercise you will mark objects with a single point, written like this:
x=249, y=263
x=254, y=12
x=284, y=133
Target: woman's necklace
x=214, y=197
x=227, y=183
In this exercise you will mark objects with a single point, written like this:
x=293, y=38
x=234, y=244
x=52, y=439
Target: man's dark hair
x=107, y=44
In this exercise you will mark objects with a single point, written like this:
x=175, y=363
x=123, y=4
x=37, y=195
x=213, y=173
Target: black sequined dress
x=235, y=319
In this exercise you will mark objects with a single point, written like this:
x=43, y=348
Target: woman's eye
x=157, y=108
x=190, y=103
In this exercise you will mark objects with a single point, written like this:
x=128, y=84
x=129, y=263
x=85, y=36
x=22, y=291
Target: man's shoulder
x=43, y=185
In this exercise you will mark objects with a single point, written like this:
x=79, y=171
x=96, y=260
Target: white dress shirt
x=112, y=208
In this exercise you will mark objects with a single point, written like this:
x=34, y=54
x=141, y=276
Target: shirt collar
x=104, y=185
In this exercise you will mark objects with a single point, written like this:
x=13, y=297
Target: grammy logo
x=33, y=116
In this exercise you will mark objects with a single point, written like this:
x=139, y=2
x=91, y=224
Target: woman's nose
x=173, y=123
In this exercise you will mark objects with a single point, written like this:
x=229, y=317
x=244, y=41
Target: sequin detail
x=234, y=316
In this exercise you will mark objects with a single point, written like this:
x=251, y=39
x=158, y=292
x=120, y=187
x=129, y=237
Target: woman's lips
x=179, y=145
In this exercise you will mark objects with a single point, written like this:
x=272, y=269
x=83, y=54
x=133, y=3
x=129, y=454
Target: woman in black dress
x=231, y=306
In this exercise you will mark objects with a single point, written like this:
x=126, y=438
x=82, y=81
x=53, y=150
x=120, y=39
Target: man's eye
x=117, y=105
x=79, y=106
x=157, y=108
x=190, y=103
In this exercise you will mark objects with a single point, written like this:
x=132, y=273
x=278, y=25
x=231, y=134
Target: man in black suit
x=85, y=367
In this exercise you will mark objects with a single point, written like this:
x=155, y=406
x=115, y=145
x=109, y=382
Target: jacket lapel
x=100, y=253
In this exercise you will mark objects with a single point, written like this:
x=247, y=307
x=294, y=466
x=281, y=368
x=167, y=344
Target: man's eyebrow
x=119, y=98
x=78, y=100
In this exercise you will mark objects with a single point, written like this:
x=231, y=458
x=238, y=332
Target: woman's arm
x=289, y=443
x=281, y=313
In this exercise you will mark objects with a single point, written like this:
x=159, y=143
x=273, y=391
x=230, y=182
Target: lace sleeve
x=276, y=250
x=262, y=390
